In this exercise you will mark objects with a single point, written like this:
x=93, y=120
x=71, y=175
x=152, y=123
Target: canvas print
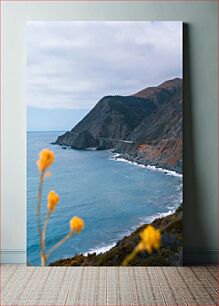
x=104, y=143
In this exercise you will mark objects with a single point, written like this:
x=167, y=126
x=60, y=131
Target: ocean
x=113, y=197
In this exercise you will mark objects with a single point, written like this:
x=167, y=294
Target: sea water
x=112, y=196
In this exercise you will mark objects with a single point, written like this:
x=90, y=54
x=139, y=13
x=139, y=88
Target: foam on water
x=148, y=220
x=101, y=249
x=145, y=220
x=117, y=157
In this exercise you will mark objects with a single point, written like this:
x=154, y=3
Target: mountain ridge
x=151, y=119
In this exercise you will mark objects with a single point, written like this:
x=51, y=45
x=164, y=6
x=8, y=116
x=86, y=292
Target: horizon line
x=36, y=131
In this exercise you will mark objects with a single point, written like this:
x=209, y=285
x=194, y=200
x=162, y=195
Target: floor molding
x=190, y=257
x=13, y=256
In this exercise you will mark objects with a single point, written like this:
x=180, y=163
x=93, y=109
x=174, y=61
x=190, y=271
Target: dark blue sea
x=112, y=196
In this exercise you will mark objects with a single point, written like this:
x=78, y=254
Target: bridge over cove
x=106, y=139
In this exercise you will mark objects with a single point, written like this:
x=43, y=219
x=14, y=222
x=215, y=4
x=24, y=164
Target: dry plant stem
x=131, y=256
x=39, y=201
x=43, y=256
x=39, y=210
x=58, y=244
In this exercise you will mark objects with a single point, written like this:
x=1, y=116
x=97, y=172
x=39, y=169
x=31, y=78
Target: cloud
x=74, y=64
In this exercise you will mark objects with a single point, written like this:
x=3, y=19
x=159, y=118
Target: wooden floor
x=79, y=286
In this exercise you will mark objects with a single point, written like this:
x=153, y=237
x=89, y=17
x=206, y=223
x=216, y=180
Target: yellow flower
x=76, y=224
x=53, y=199
x=46, y=158
x=150, y=239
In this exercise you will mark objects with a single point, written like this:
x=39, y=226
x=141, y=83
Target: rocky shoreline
x=145, y=128
x=140, y=160
x=169, y=254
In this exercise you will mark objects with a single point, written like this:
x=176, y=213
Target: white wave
x=99, y=250
x=168, y=172
x=180, y=187
x=117, y=157
x=143, y=220
x=150, y=219
x=147, y=220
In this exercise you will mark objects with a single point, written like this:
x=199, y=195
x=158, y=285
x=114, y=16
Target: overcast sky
x=72, y=65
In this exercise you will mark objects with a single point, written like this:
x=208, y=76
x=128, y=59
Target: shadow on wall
x=191, y=210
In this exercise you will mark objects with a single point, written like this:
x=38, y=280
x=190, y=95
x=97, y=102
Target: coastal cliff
x=145, y=127
x=169, y=254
